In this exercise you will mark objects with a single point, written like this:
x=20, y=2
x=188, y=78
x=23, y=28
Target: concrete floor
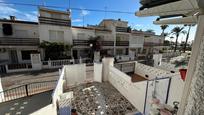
x=27, y=105
x=17, y=79
x=100, y=99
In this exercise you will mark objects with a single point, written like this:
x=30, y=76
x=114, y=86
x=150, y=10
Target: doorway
x=13, y=56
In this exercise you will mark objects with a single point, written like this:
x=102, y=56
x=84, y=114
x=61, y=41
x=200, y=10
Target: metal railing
x=122, y=43
x=19, y=41
x=55, y=21
x=19, y=66
x=153, y=44
x=80, y=43
x=26, y=90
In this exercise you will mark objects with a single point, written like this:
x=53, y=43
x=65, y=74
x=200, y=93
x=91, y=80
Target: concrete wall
x=75, y=74
x=134, y=92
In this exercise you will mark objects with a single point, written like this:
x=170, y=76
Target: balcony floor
x=100, y=99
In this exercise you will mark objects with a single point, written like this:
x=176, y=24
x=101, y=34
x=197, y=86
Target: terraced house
x=18, y=39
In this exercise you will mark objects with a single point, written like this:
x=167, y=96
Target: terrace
x=88, y=90
x=91, y=89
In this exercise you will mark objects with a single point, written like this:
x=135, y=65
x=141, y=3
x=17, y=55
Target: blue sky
x=30, y=12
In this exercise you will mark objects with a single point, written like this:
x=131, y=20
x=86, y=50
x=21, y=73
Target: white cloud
x=138, y=25
x=77, y=20
x=84, y=12
x=7, y=10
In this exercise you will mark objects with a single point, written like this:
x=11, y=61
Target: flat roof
x=91, y=28
x=54, y=11
x=18, y=21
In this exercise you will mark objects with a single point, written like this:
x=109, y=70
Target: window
x=56, y=36
x=26, y=54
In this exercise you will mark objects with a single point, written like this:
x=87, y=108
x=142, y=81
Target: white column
x=105, y=69
x=193, y=93
x=98, y=72
x=36, y=61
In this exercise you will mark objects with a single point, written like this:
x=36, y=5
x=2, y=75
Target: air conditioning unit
x=7, y=29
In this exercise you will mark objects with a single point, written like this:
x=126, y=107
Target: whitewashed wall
x=134, y=92
x=167, y=66
x=176, y=89
x=152, y=72
x=47, y=110
x=1, y=90
x=98, y=72
x=59, y=88
x=75, y=74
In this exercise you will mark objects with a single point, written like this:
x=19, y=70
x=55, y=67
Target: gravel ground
x=100, y=99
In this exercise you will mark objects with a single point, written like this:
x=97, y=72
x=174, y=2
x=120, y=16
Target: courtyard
x=100, y=99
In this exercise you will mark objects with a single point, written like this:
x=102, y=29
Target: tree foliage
x=177, y=31
x=55, y=50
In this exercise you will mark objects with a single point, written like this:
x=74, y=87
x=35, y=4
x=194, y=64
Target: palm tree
x=177, y=31
x=163, y=27
x=187, y=36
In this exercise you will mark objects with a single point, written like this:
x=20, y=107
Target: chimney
x=13, y=18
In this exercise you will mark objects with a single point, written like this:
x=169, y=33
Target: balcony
x=54, y=21
x=86, y=43
x=122, y=43
x=80, y=43
x=153, y=44
x=123, y=29
x=103, y=43
x=107, y=43
x=5, y=41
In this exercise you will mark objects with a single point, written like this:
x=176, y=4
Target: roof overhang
x=184, y=20
x=180, y=7
x=188, y=9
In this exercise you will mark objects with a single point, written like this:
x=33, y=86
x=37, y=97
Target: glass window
x=56, y=36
